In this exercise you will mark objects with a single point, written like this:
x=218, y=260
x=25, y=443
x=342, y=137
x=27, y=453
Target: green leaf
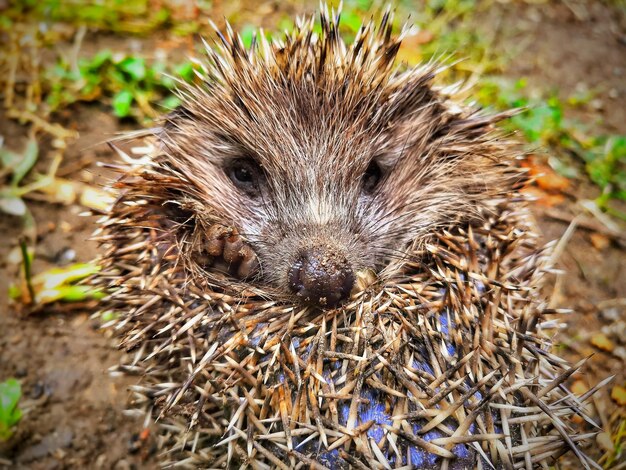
x=68, y=293
x=351, y=20
x=247, y=33
x=116, y=79
x=538, y=122
x=606, y=166
x=185, y=71
x=563, y=167
x=14, y=292
x=617, y=147
x=620, y=195
x=599, y=172
x=12, y=205
x=121, y=103
x=5, y=22
x=57, y=277
x=99, y=59
x=29, y=226
x=9, y=159
x=285, y=24
x=134, y=66
x=10, y=414
x=171, y=102
x=56, y=284
x=20, y=164
x=109, y=315
x=28, y=160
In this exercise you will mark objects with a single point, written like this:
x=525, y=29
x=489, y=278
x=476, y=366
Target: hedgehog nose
x=321, y=277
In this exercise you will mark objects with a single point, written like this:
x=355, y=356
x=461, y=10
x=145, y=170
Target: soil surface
x=74, y=408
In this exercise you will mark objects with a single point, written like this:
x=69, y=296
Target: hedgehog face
x=297, y=188
x=329, y=168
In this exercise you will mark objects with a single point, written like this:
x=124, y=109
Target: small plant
x=129, y=83
x=14, y=167
x=605, y=162
x=10, y=414
x=55, y=284
x=603, y=157
x=130, y=16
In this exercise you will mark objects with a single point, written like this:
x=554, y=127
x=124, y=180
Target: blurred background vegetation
x=122, y=58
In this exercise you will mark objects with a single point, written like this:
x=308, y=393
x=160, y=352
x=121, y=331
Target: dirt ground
x=74, y=408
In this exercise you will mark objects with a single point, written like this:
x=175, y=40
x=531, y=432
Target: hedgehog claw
x=216, y=235
x=226, y=243
x=249, y=262
x=232, y=248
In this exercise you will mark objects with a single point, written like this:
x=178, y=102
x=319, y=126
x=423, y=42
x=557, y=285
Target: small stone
x=66, y=227
x=100, y=461
x=604, y=441
x=16, y=338
x=14, y=256
x=597, y=104
x=79, y=320
x=37, y=391
x=611, y=314
x=59, y=143
x=616, y=331
x=65, y=256
x=122, y=465
x=48, y=445
x=620, y=352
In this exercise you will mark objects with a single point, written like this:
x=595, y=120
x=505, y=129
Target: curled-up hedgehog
x=325, y=262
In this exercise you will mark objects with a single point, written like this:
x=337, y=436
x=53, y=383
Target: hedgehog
x=322, y=259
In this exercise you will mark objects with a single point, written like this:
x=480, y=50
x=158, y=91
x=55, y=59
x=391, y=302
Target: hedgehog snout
x=321, y=276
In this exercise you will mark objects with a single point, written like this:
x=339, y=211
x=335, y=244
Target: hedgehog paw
x=225, y=243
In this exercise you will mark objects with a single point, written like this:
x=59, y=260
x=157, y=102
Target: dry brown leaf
x=601, y=341
x=410, y=48
x=579, y=387
x=576, y=419
x=551, y=181
x=64, y=191
x=543, y=198
x=599, y=241
x=618, y=394
x=97, y=199
x=545, y=177
x=60, y=191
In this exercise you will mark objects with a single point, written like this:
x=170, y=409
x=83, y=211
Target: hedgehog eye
x=372, y=177
x=246, y=175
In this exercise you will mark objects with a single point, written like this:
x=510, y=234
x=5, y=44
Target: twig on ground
x=587, y=224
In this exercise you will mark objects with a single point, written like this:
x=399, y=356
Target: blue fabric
x=377, y=408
